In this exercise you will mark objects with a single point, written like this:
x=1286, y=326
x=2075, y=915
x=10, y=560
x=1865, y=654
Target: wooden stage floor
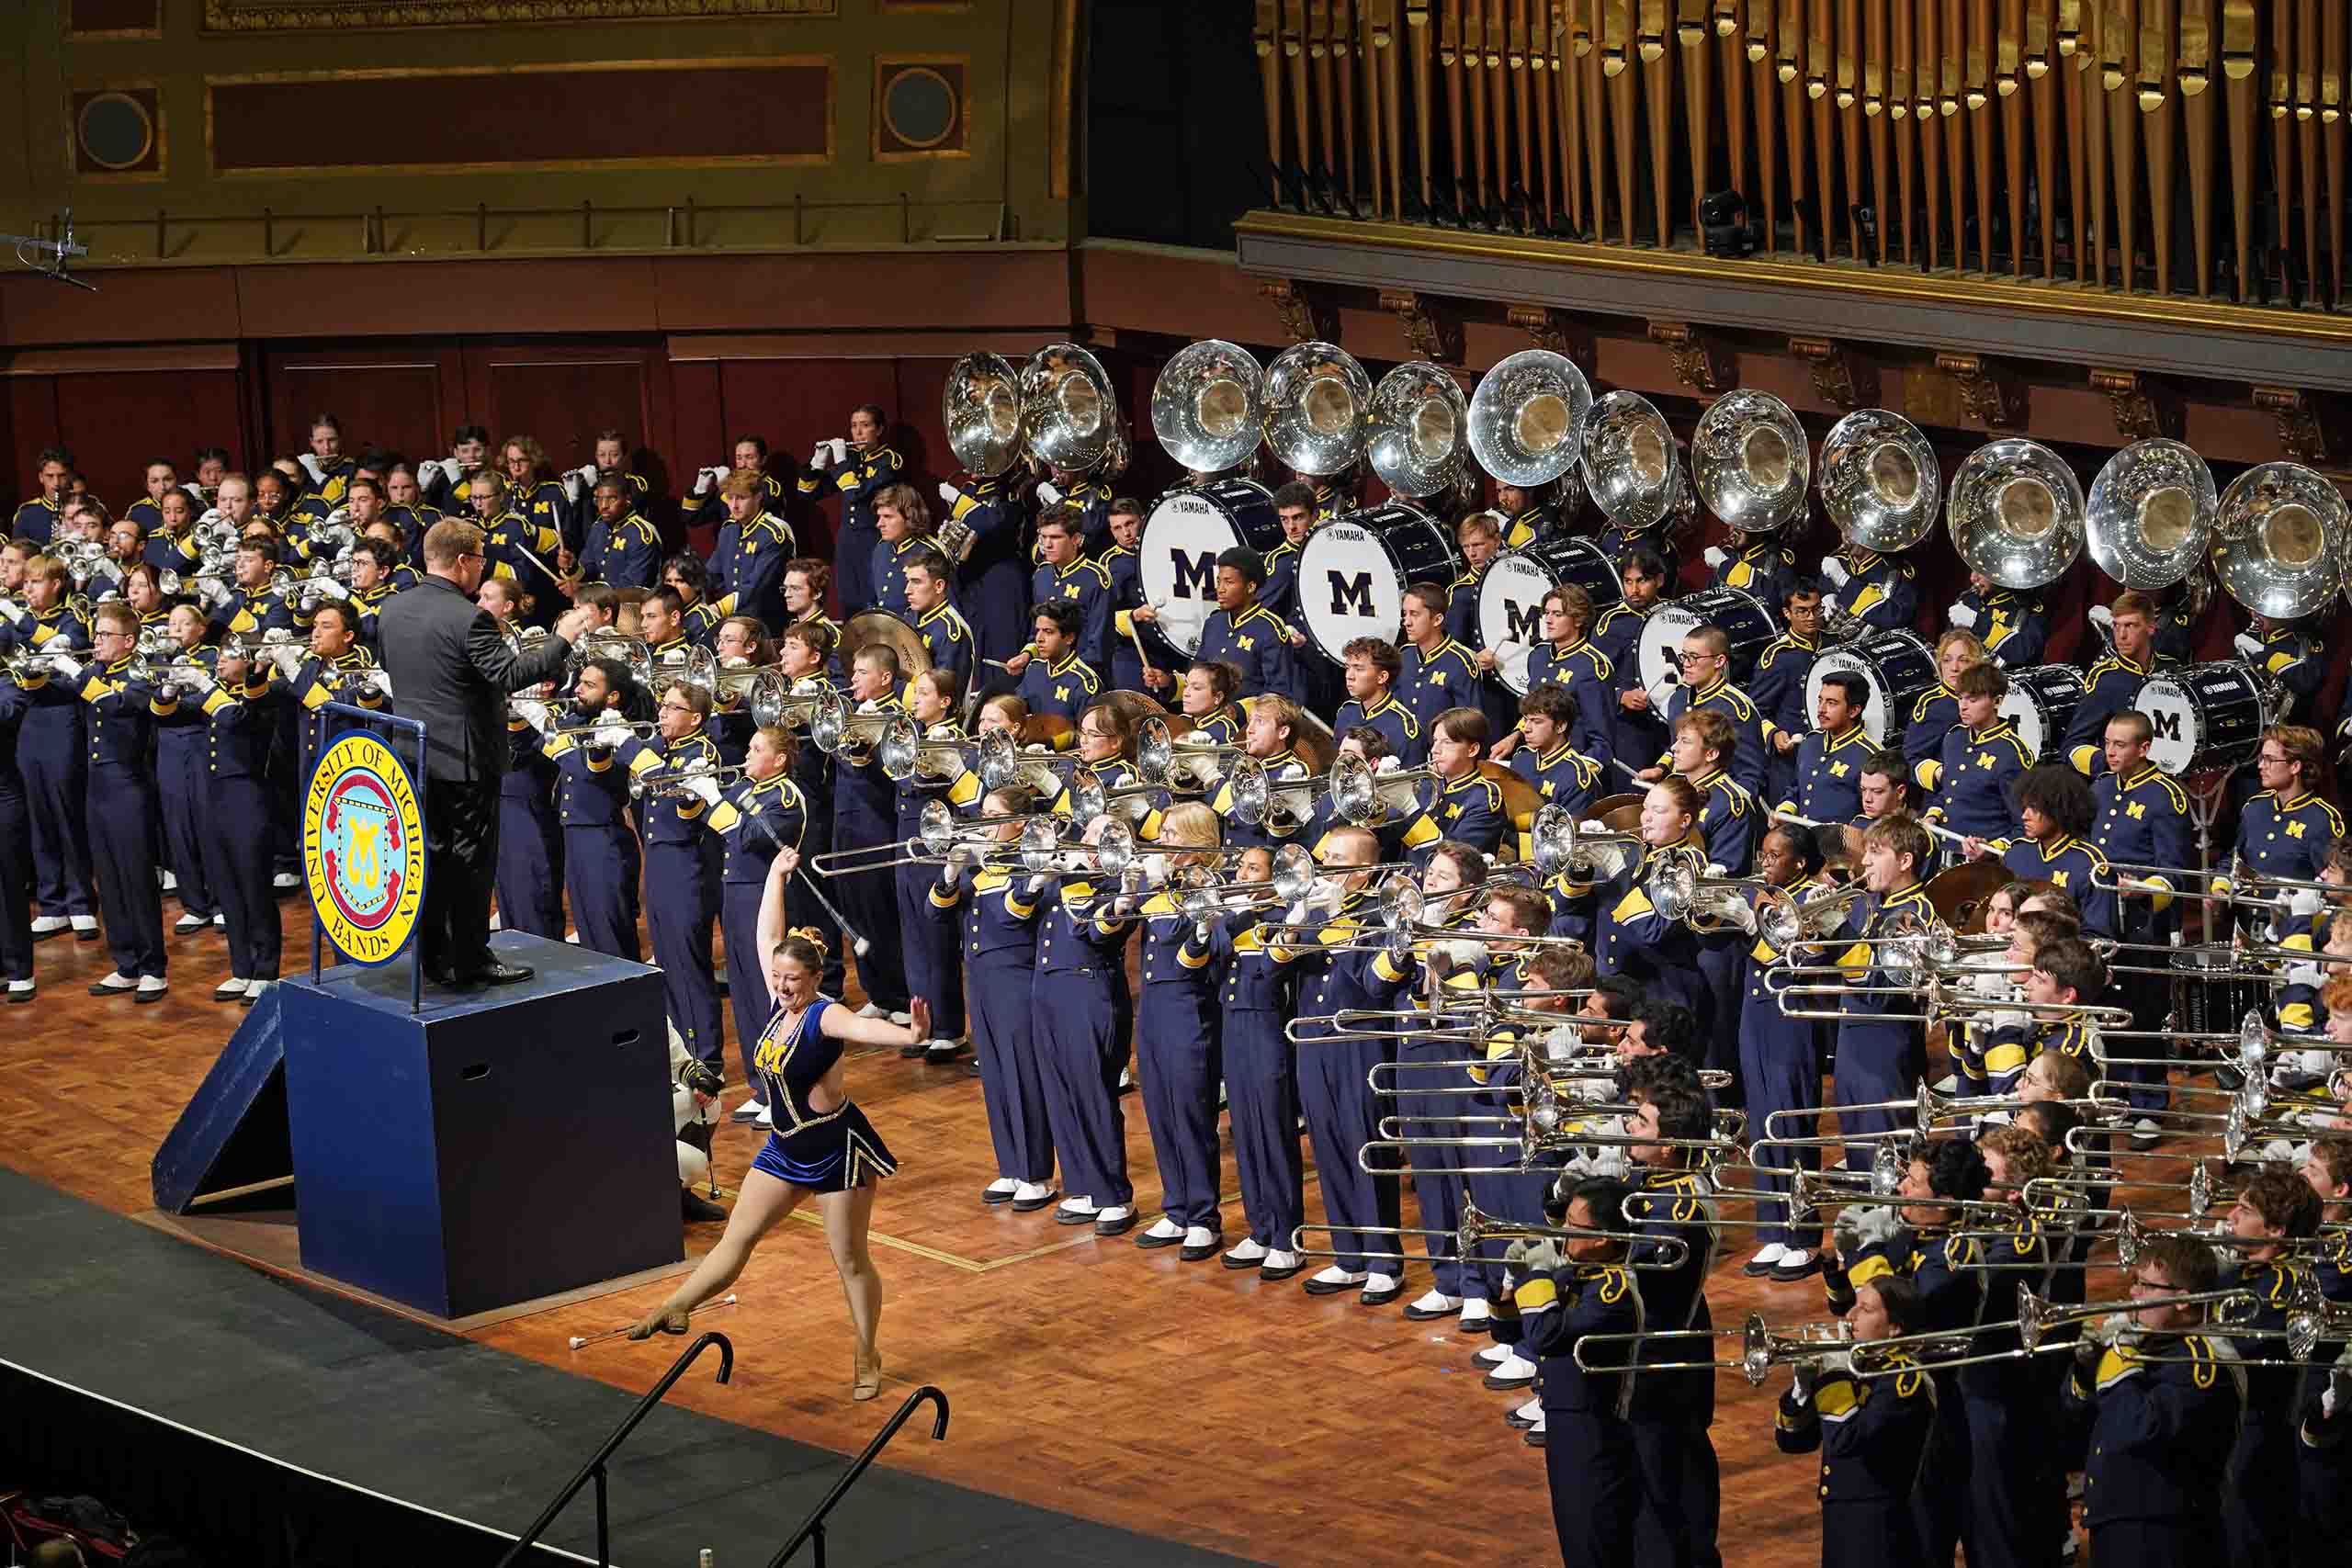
x=1089, y=1376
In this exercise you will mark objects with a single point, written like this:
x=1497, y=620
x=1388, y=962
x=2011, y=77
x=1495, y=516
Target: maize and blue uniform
x=1764, y=567
x=1779, y=1068
x=122, y=813
x=1634, y=734
x=2288, y=838
x=1124, y=573
x=1085, y=584
x=1179, y=1062
x=865, y=813
x=2157, y=1419
x=865, y=474
x=2112, y=687
x=2296, y=660
x=1261, y=1078
x=824, y=1151
x=627, y=554
x=2075, y=865
x=1391, y=719
x=1446, y=677
x=1589, y=1458
x=889, y=571
x=996, y=917
x=1343, y=1114
x=929, y=952
x=1562, y=776
x=992, y=582
x=1872, y=1434
x=37, y=520
x=1256, y=642
x=1469, y=810
x=1978, y=771
x=752, y=583
x=1881, y=591
x=1876, y=1061
x=1635, y=940
x=1828, y=778
x=530, y=838
x=1080, y=1045
x=1752, y=730
x=680, y=890
x=1423, y=1100
x=1590, y=677
x=2014, y=626
x=1680, y=1480
x=948, y=638
x=242, y=725
x=2259, y=1491
x=601, y=853
x=2145, y=820
x=53, y=753
x=509, y=542
x=1064, y=689
x=1934, y=716
x=184, y=789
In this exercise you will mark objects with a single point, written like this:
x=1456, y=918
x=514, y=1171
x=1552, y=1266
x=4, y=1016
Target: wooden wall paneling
x=396, y=398
x=117, y=421
x=563, y=394
x=921, y=434
x=698, y=433
x=793, y=404
x=32, y=424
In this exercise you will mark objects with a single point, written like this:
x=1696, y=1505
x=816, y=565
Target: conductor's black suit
x=452, y=669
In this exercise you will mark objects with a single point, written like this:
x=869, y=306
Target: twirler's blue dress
x=830, y=1150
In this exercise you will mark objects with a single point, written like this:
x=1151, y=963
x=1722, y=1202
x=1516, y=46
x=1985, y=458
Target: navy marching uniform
x=1080, y=946
x=1779, y=1068
x=1469, y=810
x=2074, y=865
x=1755, y=732
x=54, y=757
x=1391, y=719
x=242, y=725
x=1829, y=776
x=184, y=790
x=1257, y=643
x=2013, y=626
x=747, y=572
x=627, y=554
x=530, y=838
x=1085, y=584
x=1681, y=1483
x=1876, y=1061
x=1881, y=591
x=1178, y=1063
x=996, y=917
x=1934, y=716
x=933, y=961
x=1589, y=1453
x=1763, y=567
x=1637, y=941
x=681, y=889
x=2144, y=820
x=1562, y=776
x=990, y=584
x=1064, y=690
x=2112, y=687
x=506, y=538
x=862, y=475
x=1872, y=1434
x=15, y=851
x=865, y=812
x=1618, y=635
x=601, y=854
x=1590, y=678
x=1432, y=682
x=948, y=638
x=1976, y=773
x=2259, y=1495
x=2159, y=1428
x=2288, y=838
x=122, y=816
x=1261, y=1075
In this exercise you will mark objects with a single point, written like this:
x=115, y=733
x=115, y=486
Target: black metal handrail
x=813, y=1526
x=594, y=1469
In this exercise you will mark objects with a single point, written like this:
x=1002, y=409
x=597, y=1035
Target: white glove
x=2306, y=901
x=703, y=481
x=822, y=454
x=948, y=493
x=703, y=789
x=66, y=667
x=2103, y=617
x=212, y=591
x=839, y=449
x=585, y=473
x=1962, y=616
x=1200, y=932
x=312, y=466
x=1297, y=913
x=328, y=586
x=1529, y=1258
x=286, y=656
x=2306, y=974
x=1859, y=1226
x=2248, y=645
x=1038, y=885
x=1714, y=558
x=609, y=734
x=199, y=682
x=1049, y=493
x=195, y=492
x=1835, y=570
x=13, y=613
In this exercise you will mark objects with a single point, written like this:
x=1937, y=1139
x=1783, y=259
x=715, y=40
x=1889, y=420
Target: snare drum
x=1187, y=529
x=1897, y=666
x=2202, y=1005
x=1739, y=614
x=1353, y=570
x=2206, y=717
x=2040, y=705
x=1512, y=589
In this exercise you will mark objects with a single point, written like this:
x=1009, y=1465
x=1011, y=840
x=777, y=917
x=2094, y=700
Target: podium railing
x=812, y=1528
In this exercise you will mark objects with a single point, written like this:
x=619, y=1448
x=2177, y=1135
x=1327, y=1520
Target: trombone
x=1944, y=1006
x=941, y=839
x=1760, y=1350
x=1565, y=845
x=1206, y=896
x=2070, y=1184
x=1548, y=1126
x=2038, y=1318
x=1927, y=1108
x=1365, y=798
x=906, y=754
x=665, y=783
x=1681, y=889
x=1478, y=1227
x=605, y=643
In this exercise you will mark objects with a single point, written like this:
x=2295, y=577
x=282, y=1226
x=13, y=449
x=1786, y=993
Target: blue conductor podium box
x=501, y=1145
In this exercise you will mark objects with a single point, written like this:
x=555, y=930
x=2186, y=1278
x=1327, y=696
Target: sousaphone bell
x=2151, y=511
x=2016, y=512
x=981, y=408
x=1420, y=427
x=1527, y=419
x=1069, y=416
x=1319, y=402
x=1631, y=464
x=1880, y=480
x=1751, y=463
x=1209, y=407
x=2279, y=537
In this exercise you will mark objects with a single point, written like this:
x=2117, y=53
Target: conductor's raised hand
x=576, y=623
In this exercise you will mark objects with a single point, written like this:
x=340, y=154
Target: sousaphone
x=1751, y=463
x=2279, y=539
x=2151, y=512
x=1209, y=407
x=1880, y=480
x=1631, y=464
x=1069, y=416
x=2016, y=514
x=1318, y=404
x=1421, y=425
x=981, y=408
x=1527, y=419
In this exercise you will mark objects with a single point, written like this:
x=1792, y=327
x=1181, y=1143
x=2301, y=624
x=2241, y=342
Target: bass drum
x=1353, y=570
x=1897, y=666
x=1512, y=589
x=1187, y=529
x=2040, y=705
x=2207, y=716
x=1739, y=614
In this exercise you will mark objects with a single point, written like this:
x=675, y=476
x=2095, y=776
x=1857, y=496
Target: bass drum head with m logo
x=1187, y=530
x=2207, y=716
x=1896, y=666
x=2040, y=705
x=1353, y=570
x=1741, y=616
x=1511, y=592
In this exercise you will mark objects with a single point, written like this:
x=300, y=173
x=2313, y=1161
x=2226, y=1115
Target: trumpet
x=605, y=643
x=1784, y=920
x=1681, y=889
x=1760, y=1350
x=272, y=643
x=667, y=782
x=1365, y=798
x=1478, y=1227
x=28, y=664
x=906, y=754
x=1565, y=847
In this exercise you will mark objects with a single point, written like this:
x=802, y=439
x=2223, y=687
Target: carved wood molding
x=1841, y=377
x=1430, y=335
x=2303, y=432
x=2145, y=407
x=1305, y=317
x=1701, y=363
x=1988, y=391
x=1544, y=327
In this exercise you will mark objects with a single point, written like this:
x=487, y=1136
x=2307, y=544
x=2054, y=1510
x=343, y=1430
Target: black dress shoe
x=1517, y=1422
x=1533, y=1440
x=1031, y=1205
x=495, y=974
x=991, y=1196
x=1416, y=1314
x=1202, y=1254
x=1148, y=1241
x=86, y=934
x=1269, y=1273
x=1120, y=1226
x=18, y=998
x=100, y=989
x=911, y=1050
x=1322, y=1287
x=1381, y=1298
x=697, y=1208
x=1075, y=1217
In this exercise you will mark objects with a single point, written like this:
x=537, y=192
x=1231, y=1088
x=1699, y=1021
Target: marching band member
x=681, y=870
x=1480, y=539
x=808, y=582
x=622, y=548
x=1880, y=1061
x=864, y=811
x=1872, y=1434
x=534, y=495
x=1056, y=680
x=121, y=805
x=1764, y=566
x=806, y=654
x=2015, y=625
x=901, y=526
x=1705, y=662
x=1830, y=761
x=686, y=573
x=1638, y=729
x=1295, y=510
x=1125, y=569
x=2159, y=1403
x=1886, y=787
x=1880, y=590
x=1081, y=971
x=15, y=851
x=1371, y=670
x=745, y=454
x=747, y=568
x=446, y=485
x=1635, y=940
x=1177, y=1045
x=329, y=471
x=992, y=583
x=407, y=508
x=2287, y=829
x=1779, y=1065
x=2056, y=810
x=1267, y=734
x=2142, y=820
x=1463, y=803
x=1089, y=500
x=183, y=773
x=529, y=877
x=1982, y=761
x=54, y=750
x=1681, y=1482
x=601, y=854
x=1062, y=574
x=662, y=624
x=37, y=518
x=2114, y=681
x=169, y=545
x=756, y=818
x=933, y=961
x=741, y=643
x=1566, y=659
x=1262, y=1076
x=2015, y=1497
x=1936, y=710
x=1439, y=672
x=1243, y=633
x=945, y=632
x=859, y=469
x=1207, y=700
x=1705, y=748
x=2275, y=1208
x=518, y=546
x=1343, y=1114
x=1529, y=512
x=239, y=702
x=1562, y=775
x=1574, y=1288
x=2295, y=658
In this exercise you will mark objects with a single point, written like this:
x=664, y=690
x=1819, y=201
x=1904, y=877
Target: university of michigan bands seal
x=363, y=860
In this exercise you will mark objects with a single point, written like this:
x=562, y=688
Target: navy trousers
x=57, y=783
x=933, y=961
x=600, y=866
x=747, y=982
x=122, y=840
x=1681, y=1493
x=184, y=791
x=1261, y=1103
x=1437, y=1181
x=16, y=887
x=1780, y=1061
x=530, y=868
x=1874, y=1063
x=1176, y=1058
x=1341, y=1117
x=1013, y=1082
x=1079, y=1054
x=237, y=852
x=1596, y=1487
x=681, y=899
x=868, y=900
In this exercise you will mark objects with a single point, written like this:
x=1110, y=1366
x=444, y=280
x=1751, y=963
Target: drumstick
x=1136, y=638
x=1938, y=828
x=582, y=1341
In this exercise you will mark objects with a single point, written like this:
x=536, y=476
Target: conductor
x=451, y=667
